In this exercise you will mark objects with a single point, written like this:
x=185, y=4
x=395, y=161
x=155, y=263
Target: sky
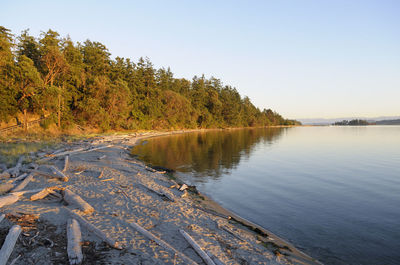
x=303, y=59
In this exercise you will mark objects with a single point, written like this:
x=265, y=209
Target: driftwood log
x=9, y=244
x=13, y=197
x=197, y=248
x=74, y=199
x=6, y=187
x=15, y=170
x=74, y=237
x=44, y=192
x=94, y=230
x=49, y=175
x=2, y=217
x=161, y=243
x=66, y=161
x=23, y=183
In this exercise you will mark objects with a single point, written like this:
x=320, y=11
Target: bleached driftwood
x=76, y=151
x=49, y=175
x=15, y=170
x=74, y=242
x=183, y=187
x=74, y=199
x=161, y=242
x=2, y=217
x=23, y=183
x=66, y=161
x=57, y=172
x=8, y=199
x=9, y=244
x=101, y=157
x=197, y=248
x=6, y=187
x=20, y=177
x=104, y=180
x=44, y=192
x=94, y=230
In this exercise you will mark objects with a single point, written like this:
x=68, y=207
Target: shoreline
x=128, y=187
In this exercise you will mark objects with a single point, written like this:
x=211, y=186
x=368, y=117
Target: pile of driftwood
x=18, y=177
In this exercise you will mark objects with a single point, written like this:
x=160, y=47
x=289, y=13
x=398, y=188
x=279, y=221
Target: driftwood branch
x=94, y=230
x=66, y=161
x=197, y=248
x=49, y=175
x=159, y=193
x=74, y=199
x=74, y=242
x=23, y=183
x=161, y=243
x=9, y=244
x=8, y=199
x=2, y=217
x=15, y=171
x=44, y=192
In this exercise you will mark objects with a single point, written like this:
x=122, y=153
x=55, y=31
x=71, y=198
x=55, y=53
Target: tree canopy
x=79, y=83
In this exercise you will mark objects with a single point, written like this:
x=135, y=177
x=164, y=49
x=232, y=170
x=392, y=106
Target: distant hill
x=388, y=122
x=329, y=121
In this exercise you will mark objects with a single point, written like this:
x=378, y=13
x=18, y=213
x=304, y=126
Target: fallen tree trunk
x=73, y=199
x=161, y=243
x=94, y=230
x=23, y=183
x=74, y=242
x=66, y=161
x=197, y=248
x=9, y=244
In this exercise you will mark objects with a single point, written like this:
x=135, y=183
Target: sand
x=123, y=190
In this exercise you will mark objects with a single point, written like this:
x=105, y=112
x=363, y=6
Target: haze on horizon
x=304, y=59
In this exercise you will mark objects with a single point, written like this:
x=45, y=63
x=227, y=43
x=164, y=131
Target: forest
x=80, y=84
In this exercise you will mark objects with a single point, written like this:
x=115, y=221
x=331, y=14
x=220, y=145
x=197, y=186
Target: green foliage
x=80, y=84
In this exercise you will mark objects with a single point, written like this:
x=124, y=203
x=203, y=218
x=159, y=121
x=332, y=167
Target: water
x=334, y=192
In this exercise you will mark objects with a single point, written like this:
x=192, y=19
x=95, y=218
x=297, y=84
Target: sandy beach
x=126, y=194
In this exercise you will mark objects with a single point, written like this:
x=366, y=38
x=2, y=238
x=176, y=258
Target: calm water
x=333, y=192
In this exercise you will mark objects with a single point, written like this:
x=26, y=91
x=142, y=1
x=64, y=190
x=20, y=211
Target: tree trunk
x=25, y=121
x=59, y=111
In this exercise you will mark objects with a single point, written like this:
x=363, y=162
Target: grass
x=10, y=152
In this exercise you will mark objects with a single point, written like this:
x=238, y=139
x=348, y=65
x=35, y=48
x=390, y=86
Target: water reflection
x=211, y=153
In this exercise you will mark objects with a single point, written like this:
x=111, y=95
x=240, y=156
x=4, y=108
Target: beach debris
x=161, y=242
x=74, y=199
x=13, y=197
x=44, y=192
x=197, y=248
x=66, y=161
x=23, y=183
x=103, y=180
x=9, y=244
x=15, y=260
x=101, y=174
x=101, y=157
x=94, y=230
x=15, y=170
x=2, y=217
x=8, y=199
x=55, y=173
x=6, y=187
x=74, y=237
x=20, y=177
x=159, y=193
x=185, y=194
x=183, y=187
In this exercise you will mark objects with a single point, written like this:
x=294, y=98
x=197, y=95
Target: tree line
x=80, y=84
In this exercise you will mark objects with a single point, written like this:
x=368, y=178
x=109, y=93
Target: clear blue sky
x=303, y=59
